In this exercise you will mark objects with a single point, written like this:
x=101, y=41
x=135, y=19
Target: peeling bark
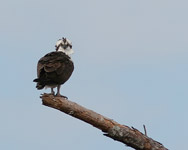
x=129, y=136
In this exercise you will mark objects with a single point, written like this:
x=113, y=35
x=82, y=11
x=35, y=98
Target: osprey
x=55, y=68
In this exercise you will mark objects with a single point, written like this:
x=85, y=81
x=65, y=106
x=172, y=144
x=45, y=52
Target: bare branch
x=129, y=136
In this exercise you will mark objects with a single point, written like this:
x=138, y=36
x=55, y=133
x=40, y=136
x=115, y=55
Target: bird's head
x=64, y=45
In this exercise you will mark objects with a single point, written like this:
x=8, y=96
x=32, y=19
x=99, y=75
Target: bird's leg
x=58, y=92
x=52, y=91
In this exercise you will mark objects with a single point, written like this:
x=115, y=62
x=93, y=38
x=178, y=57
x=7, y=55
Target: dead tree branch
x=129, y=136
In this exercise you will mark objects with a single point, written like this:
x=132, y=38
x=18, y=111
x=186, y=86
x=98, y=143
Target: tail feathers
x=36, y=80
x=39, y=85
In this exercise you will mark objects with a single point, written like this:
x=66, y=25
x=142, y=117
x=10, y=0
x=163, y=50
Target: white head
x=64, y=45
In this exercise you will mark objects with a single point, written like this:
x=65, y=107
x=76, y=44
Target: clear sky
x=131, y=65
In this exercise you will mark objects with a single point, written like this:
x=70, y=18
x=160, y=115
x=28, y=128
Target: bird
x=56, y=67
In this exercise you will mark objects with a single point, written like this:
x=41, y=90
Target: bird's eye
x=70, y=46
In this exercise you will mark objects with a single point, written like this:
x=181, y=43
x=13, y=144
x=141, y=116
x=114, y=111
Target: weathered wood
x=129, y=136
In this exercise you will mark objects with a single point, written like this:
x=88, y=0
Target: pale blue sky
x=130, y=65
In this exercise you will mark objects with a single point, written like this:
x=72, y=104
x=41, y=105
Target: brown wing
x=50, y=67
x=50, y=62
x=55, y=67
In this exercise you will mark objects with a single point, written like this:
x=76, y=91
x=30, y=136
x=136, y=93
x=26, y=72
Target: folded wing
x=54, y=68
